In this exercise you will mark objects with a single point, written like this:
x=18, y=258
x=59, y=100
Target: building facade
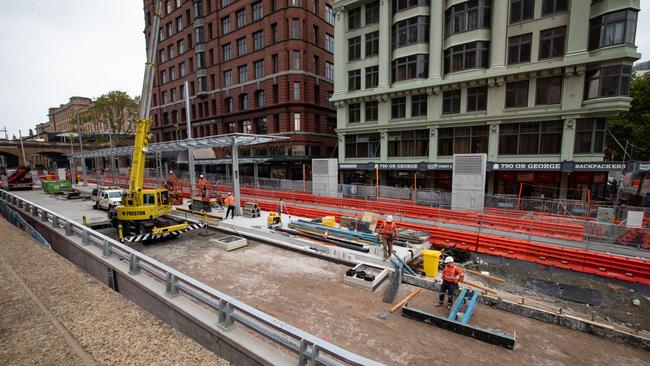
x=63, y=118
x=530, y=83
x=262, y=67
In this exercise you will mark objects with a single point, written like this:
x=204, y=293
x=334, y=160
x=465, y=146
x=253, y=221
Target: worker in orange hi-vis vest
x=451, y=277
x=230, y=203
x=388, y=232
x=203, y=186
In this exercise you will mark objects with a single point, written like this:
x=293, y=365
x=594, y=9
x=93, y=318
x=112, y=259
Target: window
x=408, y=143
x=410, y=67
x=181, y=47
x=553, y=6
x=170, y=52
x=612, y=28
x=551, y=43
x=467, y=16
x=181, y=69
x=274, y=32
x=399, y=5
x=519, y=49
x=168, y=7
x=243, y=102
x=531, y=138
x=295, y=61
x=372, y=111
x=610, y=81
x=275, y=63
x=590, y=135
x=354, y=18
x=315, y=34
x=198, y=9
x=241, y=18
x=227, y=78
x=241, y=46
x=276, y=91
x=398, y=107
x=354, y=112
x=170, y=29
x=274, y=5
x=258, y=11
x=372, y=44
x=258, y=67
x=225, y=25
x=232, y=127
x=259, y=98
x=258, y=40
x=295, y=29
x=173, y=94
x=329, y=43
x=316, y=64
x=163, y=97
x=354, y=48
x=179, y=24
x=163, y=76
x=477, y=99
x=296, y=90
x=200, y=60
x=549, y=90
x=243, y=73
x=411, y=31
x=329, y=14
x=172, y=73
x=372, y=13
x=354, y=80
x=372, y=76
x=517, y=94
x=362, y=146
x=203, y=84
x=463, y=140
x=521, y=10
x=466, y=56
x=227, y=53
x=451, y=101
x=295, y=2
x=329, y=70
x=419, y=105
x=296, y=121
x=227, y=104
x=261, y=126
x=246, y=126
x=161, y=56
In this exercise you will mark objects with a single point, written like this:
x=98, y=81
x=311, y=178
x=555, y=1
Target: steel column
x=235, y=177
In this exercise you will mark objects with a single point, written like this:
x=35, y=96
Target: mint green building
x=530, y=83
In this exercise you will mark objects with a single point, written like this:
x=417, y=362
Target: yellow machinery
x=142, y=210
x=274, y=219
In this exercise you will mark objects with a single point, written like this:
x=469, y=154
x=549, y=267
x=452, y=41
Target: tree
x=115, y=110
x=633, y=127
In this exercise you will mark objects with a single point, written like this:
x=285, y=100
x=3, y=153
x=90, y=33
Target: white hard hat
x=389, y=218
x=171, y=172
x=449, y=259
x=201, y=176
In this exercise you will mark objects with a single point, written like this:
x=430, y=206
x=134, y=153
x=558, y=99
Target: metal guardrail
x=311, y=350
x=18, y=221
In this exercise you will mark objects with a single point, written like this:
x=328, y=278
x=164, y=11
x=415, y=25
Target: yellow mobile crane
x=141, y=215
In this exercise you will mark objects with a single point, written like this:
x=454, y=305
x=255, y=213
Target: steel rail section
x=310, y=349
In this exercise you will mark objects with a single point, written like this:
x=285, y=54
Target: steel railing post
x=55, y=222
x=84, y=237
x=68, y=228
x=44, y=216
x=171, y=288
x=134, y=264
x=225, y=315
x=34, y=211
x=106, y=247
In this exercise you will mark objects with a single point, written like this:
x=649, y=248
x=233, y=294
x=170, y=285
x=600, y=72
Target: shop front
x=403, y=175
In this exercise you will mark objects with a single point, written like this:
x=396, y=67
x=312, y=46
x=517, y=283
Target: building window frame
x=419, y=105
x=451, y=101
x=548, y=90
x=354, y=80
x=520, y=49
x=354, y=112
x=398, y=108
x=599, y=81
x=411, y=143
x=517, y=94
x=552, y=43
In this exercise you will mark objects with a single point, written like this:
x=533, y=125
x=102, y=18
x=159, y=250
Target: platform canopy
x=229, y=161
x=233, y=139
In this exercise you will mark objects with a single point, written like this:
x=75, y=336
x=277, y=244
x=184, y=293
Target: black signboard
x=642, y=166
x=528, y=167
x=599, y=166
x=396, y=166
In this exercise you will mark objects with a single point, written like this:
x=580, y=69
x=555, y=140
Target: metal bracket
x=34, y=211
x=308, y=360
x=55, y=222
x=225, y=316
x=68, y=228
x=84, y=237
x=44, y=216
x=134, y=264
x=106, y=248
x=171, y=288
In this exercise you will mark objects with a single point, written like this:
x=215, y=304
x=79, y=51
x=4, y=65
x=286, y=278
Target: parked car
x=108, y=198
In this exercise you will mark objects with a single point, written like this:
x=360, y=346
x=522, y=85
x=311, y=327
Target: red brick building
x=262, y=66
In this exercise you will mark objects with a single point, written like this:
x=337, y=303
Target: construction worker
x=203, y=186
x=171, y=181
x=388, y=232
x=230, y=203
x=451, y=277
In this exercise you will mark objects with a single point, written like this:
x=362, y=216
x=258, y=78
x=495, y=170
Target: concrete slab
x=230, y=242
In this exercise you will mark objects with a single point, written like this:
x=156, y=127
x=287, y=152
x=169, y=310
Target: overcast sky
x=54, y=49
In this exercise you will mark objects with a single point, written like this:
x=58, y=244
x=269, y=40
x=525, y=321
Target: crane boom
x=150, y=66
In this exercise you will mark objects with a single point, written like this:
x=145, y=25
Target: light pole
x=81, y=151
x=20, y=135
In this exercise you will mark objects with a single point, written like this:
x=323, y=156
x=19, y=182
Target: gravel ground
x=55, y=314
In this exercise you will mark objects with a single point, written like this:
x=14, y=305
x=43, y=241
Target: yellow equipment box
x=329, y=221
x=431, y=261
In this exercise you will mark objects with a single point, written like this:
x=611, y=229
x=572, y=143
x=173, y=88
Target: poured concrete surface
x=309, y=293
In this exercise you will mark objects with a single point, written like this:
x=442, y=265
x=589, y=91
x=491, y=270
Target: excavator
x=141, y=217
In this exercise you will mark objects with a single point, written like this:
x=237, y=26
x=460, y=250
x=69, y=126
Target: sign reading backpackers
x=599, y=166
